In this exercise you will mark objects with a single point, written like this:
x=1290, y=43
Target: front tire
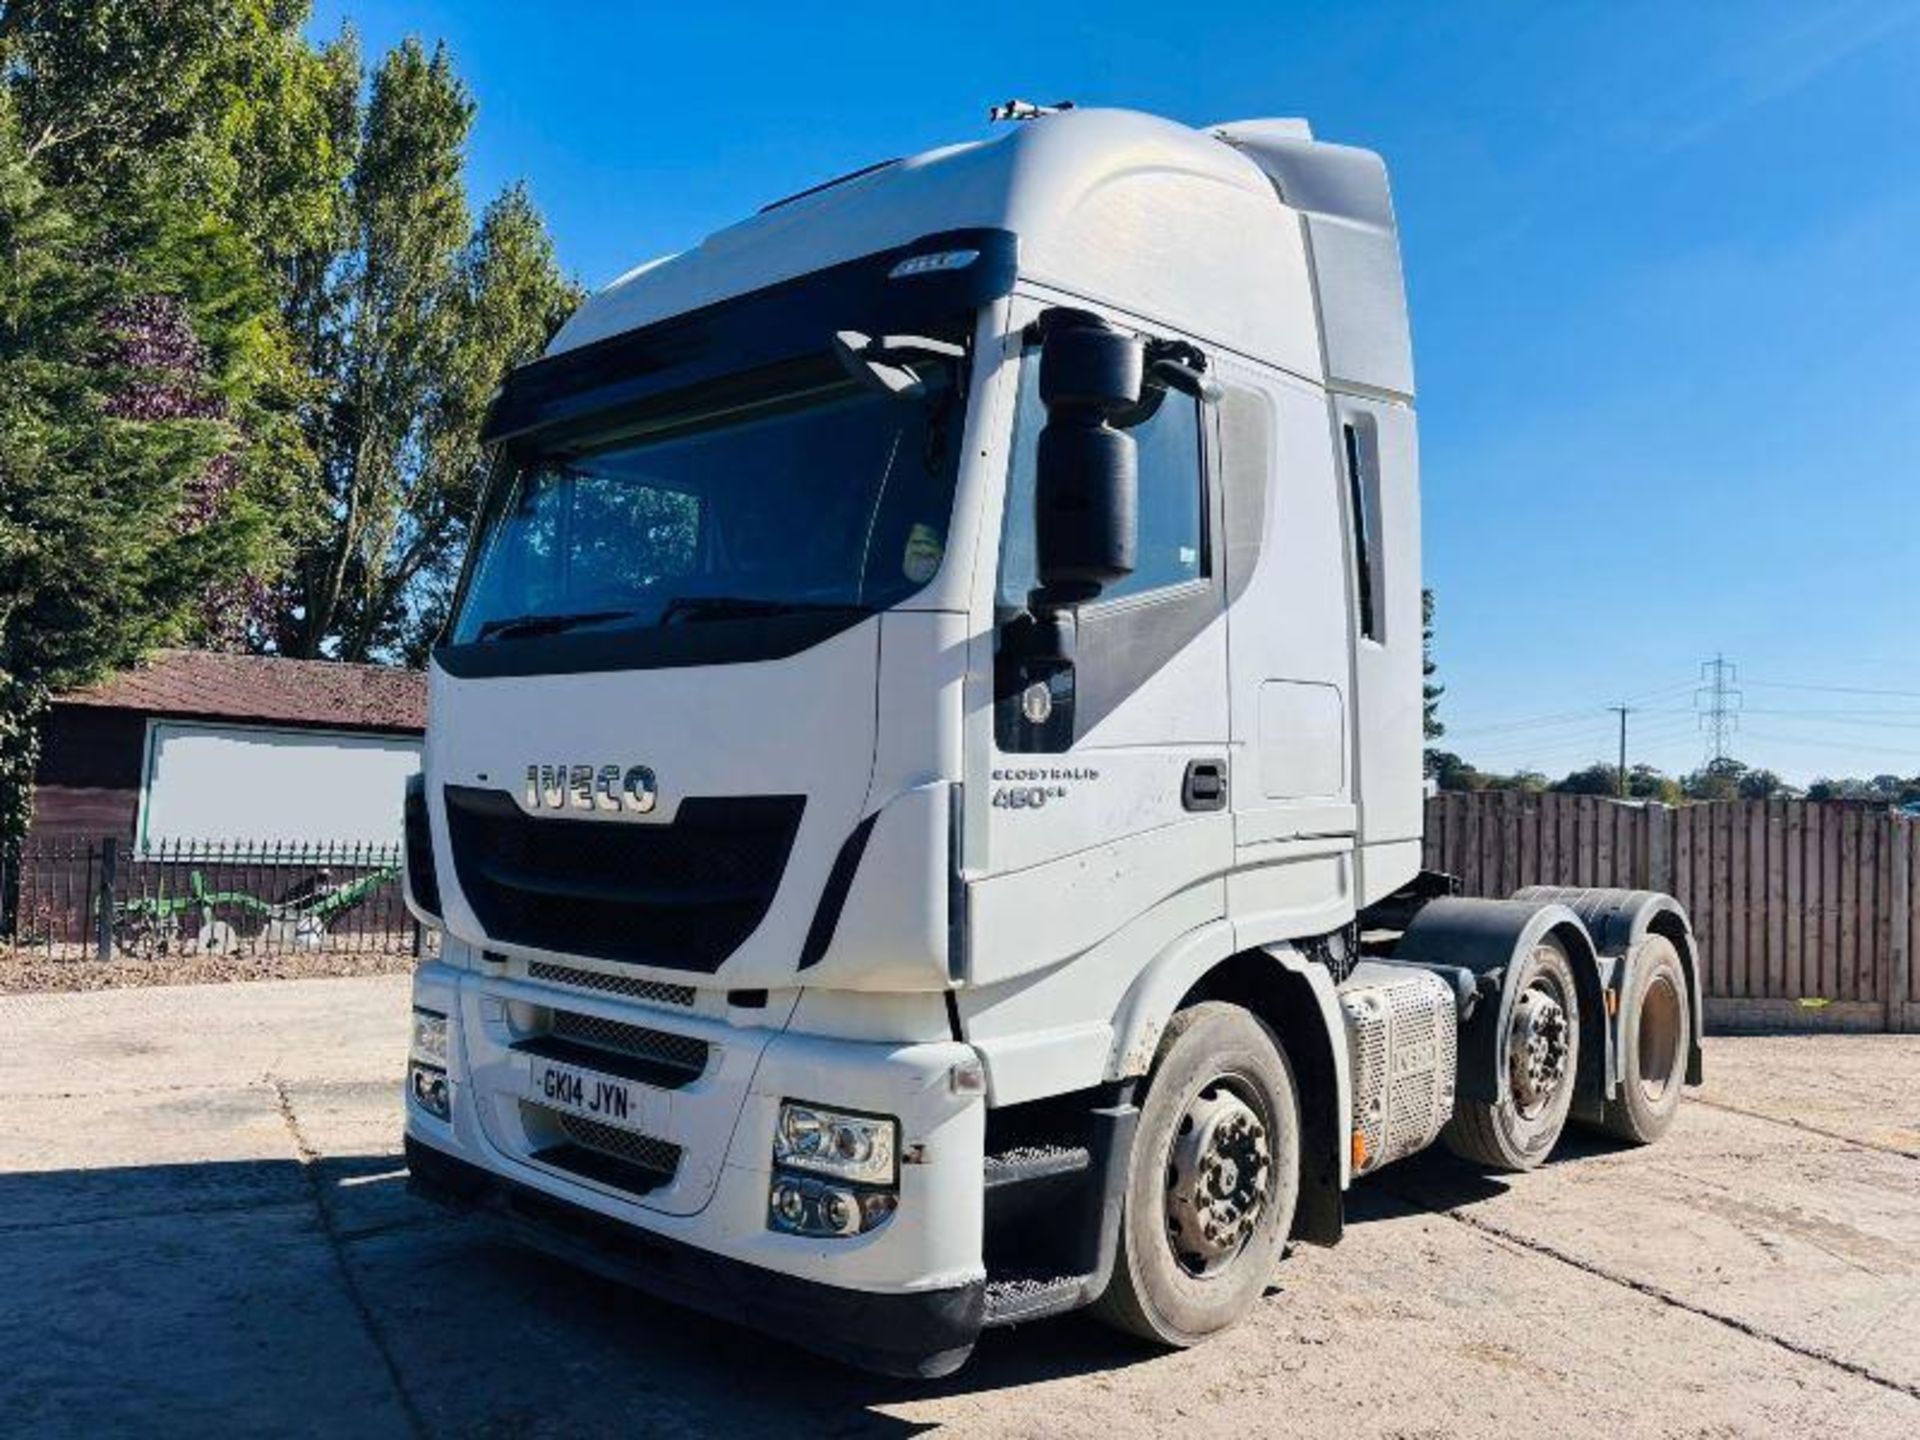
x=1212, y=1180
x=1541, y=1050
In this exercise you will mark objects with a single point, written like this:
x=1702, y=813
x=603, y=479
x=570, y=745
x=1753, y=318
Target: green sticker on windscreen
x=924, y=550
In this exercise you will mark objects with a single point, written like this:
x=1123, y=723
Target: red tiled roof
x=266, y=688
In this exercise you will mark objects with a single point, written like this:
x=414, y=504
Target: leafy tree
x=121, y=495
x=1597, y=779
x=222, y=101
x=1430, y=693
x=1646, y=782
x=408, y=322
x=200, y=140
x=373, y=321
x=244, y=323
x=1762, y=785
x=1881, y=787
x=1450, y=772
x=1716, y=780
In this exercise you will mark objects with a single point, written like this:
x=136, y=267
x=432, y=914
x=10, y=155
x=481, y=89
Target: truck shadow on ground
x=225, y=1289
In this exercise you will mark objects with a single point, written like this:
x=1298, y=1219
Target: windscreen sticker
x=924, y=549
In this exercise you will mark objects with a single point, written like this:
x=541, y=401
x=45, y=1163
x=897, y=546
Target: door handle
x=1205, y=785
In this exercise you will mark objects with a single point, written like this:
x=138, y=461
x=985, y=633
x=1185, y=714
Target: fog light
x=838, y=1212
x=428, y=1086
x=802, y=1206
x=789, y=1203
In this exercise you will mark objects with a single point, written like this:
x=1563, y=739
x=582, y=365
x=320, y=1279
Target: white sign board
x=252, y=784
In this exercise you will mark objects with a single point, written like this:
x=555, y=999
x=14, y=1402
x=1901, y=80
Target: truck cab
x=928, y=742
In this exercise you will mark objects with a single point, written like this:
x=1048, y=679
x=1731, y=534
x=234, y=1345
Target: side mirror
x=1086, y=478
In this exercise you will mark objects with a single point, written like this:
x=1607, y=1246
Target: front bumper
x=905, y=1298
x=924, y=1333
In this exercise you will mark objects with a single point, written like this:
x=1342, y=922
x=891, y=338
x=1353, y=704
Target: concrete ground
x=204, y=1230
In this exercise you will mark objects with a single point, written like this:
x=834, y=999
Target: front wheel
x=1541, y=1051
x=1211, y=1181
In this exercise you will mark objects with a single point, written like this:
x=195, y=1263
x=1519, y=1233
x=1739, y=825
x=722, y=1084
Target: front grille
x=682, y=1052
x=681, y=896
x=660, y=992
x=625, y=1159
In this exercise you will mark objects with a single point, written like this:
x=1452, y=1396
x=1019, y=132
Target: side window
x=1172, y=546
x=1363, y=493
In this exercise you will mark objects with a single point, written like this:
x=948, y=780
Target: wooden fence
x=1807, y=914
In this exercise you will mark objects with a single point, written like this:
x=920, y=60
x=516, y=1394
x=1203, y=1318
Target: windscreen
x=827, y=495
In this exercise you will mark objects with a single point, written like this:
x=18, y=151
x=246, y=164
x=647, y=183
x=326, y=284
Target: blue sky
x=1664, y=263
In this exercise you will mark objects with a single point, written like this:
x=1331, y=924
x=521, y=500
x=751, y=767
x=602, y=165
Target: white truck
x=923, y=798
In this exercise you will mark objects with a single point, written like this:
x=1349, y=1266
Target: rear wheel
x=1541, y=1049
x=1211, y=1181
x=1654, y=1038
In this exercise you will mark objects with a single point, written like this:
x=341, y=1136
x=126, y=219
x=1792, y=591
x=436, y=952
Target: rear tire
x=1212, y=1180
x=1654, y=1039
x=1541, y=1049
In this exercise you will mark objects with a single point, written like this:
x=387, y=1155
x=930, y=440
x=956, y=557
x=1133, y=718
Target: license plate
x=584, y=1092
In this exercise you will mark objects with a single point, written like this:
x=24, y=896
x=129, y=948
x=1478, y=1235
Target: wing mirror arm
x=1188, y=379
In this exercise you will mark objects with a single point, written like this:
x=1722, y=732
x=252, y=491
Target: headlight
x=860, y=1148
x=430, y=1037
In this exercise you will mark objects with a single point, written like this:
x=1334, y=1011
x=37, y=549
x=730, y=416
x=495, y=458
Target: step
x=1012, y=1299
x=1035, y=1162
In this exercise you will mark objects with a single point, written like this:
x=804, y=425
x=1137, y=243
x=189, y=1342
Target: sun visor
x=934, y=283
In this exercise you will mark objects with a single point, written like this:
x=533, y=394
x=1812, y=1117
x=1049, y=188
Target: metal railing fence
x=85, y=897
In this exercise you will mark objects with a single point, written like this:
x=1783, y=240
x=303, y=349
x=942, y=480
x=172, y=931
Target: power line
x=1874, y=719
x=1911, y=751
x=1556, y=719
x=1835, y=689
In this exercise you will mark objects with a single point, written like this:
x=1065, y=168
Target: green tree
x=408, y=325
x=1596, y=779
x=1450, y=772
x=121, y=501
x=315, y=222
x=222, y=102
x=1761, y=785
x=1716, y=780
x=246, y=332
x=202, y=139
x=1646, y=782
x=1430, y=692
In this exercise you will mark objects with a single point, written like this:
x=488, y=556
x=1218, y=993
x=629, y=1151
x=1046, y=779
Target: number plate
x=585, y=1092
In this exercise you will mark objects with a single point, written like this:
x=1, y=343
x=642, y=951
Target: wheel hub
x=1537, y=1050
x=1659, y=1037
x=1217, y=1180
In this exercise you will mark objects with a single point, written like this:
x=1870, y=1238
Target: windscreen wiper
x=514, y=626
x=731, y=607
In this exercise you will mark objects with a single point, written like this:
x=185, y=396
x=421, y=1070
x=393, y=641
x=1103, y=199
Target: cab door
x=1098, y=787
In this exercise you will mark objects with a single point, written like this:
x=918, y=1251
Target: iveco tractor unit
x=922, y=800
